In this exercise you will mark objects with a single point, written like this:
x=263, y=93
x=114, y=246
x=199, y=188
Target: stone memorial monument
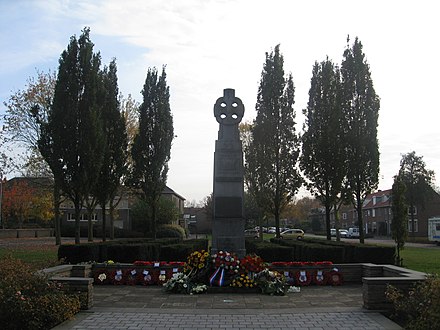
x=228, y=222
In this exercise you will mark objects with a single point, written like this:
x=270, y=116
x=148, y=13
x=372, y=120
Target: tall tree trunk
x=413, y=231
x=89, y=226
x=153, y=218
x=77, y=224
x=327, y=221
x=112, y=222
x=337, y=224
x=360, y=218
x=57, y=220
x=104, y=222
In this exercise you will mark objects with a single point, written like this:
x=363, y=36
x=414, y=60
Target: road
x=381, y=240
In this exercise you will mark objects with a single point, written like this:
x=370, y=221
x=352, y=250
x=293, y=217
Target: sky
x=210, y=45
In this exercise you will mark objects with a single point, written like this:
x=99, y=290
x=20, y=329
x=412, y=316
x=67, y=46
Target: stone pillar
x=228, y=222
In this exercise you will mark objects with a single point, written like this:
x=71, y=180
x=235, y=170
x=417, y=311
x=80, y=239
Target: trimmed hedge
x=180, y=252
x=338, y=252
x=270, y=252
x=128, y=251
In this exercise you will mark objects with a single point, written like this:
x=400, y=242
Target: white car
x=342, y=232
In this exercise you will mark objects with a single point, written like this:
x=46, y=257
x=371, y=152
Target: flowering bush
x=29, y=301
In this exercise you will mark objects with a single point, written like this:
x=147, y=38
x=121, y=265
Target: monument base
x=228, y=235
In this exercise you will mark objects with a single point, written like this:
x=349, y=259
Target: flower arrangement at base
x=181, y=283
x=271, y=282
x=101, y=277
x=243, y=281
x=290, y=277
x=196, y=261
x=319, y=277
x=198, y=265
x=144, y=277
x=226, y=265
x=303, y=277
x=116, y=277
x=131, y=276
x=252, y=264
x=334, y=277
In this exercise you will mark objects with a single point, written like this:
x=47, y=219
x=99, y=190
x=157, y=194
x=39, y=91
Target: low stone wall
x=374, y=279
x=374, y=287
x=74, y=279
x=22, y=233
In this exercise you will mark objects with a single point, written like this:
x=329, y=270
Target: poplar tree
x=114, y=148
x=418, y=181
x=151, y=149
x=360, y=106
x=271, y=157
x=323, y=152
x=71, y=140
x=399, y=224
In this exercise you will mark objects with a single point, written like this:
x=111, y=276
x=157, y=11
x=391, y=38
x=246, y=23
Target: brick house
x=377, y=215
x=125, y=201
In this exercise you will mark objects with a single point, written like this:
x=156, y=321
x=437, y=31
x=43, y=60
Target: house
x=198, y=221
x=123, y=203
x=377, y=216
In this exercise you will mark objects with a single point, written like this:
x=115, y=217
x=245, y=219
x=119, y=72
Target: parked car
x=251, y=233
x=342, y=232
x=292, y=233
x=353, y=232
x=271, y=230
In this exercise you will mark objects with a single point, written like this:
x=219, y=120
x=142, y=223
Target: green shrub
x=338, y=252
x=129, y=253
x=170, y=231
x=180, y=251
x=419, y=308
x=269, y=252
x=374, y=254
x=176, y=252
x=29, y=301
x=77, y=253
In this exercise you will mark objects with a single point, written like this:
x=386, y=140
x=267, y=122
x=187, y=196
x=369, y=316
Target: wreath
x=290, y=279
x=101, y=277
x=145, y=277
x=131, y=276
x=303, y=277
x=117, y=277
x=334, y=277
x=319, y=277
x=162, y=277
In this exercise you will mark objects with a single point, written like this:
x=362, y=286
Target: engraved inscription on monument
x=228, y=221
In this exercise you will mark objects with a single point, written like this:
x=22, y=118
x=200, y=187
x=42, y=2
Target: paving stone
x=150, y=308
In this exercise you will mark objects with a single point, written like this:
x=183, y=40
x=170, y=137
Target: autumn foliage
x=21, y=202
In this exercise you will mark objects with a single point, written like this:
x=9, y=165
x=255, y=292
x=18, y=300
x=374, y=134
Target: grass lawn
x=421, y=259
x=38, y=256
